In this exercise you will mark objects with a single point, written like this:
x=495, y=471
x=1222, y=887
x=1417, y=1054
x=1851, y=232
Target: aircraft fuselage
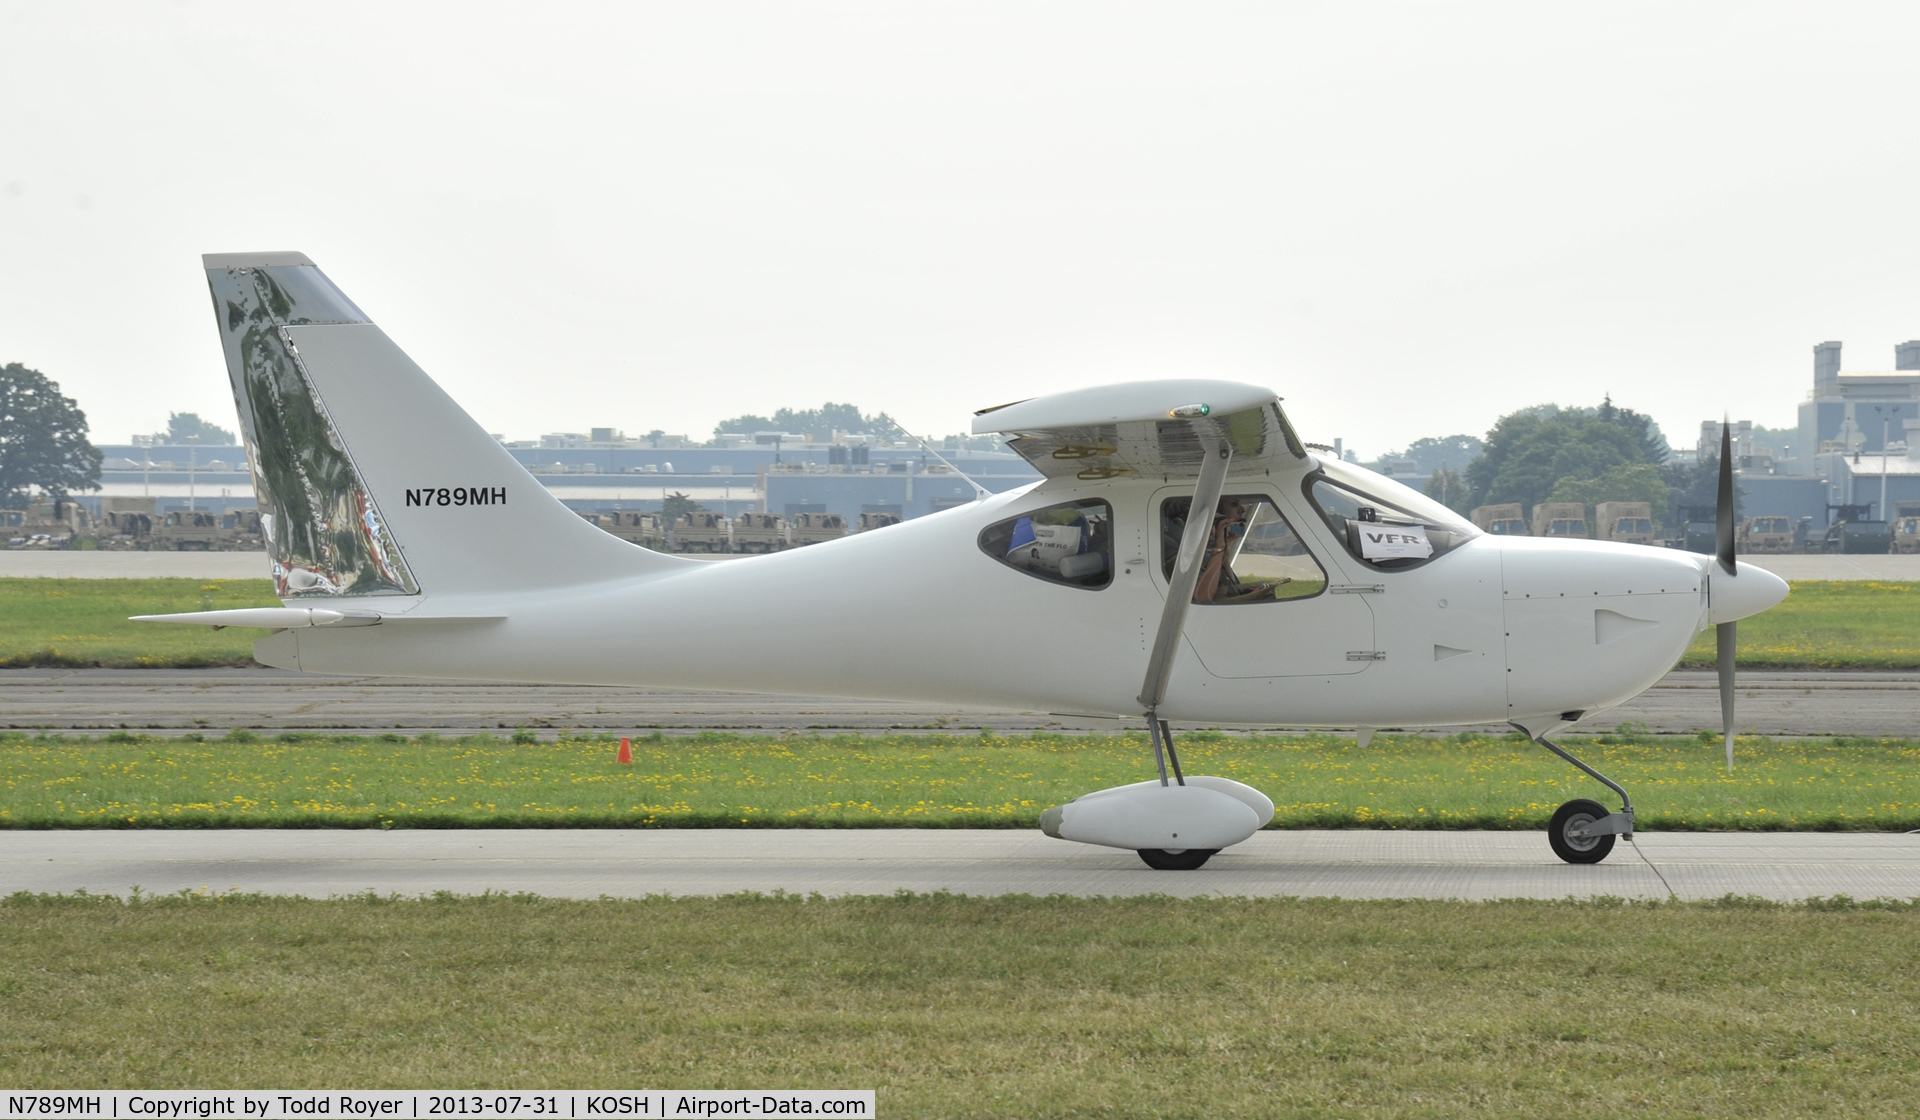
x=1497, y=629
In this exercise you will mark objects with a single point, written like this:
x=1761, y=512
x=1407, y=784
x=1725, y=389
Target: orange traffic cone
x=626, y=752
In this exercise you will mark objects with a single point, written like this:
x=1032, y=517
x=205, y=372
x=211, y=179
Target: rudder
x=371, y=479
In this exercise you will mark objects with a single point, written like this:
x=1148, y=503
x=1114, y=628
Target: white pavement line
x=631, y=863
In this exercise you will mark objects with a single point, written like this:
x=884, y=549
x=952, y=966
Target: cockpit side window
x=1252, y=553
x=1384, y=525
x=1069, y=543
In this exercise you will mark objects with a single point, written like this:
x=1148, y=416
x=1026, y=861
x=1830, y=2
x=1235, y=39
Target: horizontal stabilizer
x=297, y=618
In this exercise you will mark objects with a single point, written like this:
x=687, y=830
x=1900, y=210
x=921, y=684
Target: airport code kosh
x=407, y=1104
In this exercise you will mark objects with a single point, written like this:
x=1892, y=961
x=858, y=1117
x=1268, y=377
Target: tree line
x=1547, y=453
x=43, y=439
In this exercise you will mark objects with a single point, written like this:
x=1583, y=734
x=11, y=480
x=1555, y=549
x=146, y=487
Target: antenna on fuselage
x=980, y=493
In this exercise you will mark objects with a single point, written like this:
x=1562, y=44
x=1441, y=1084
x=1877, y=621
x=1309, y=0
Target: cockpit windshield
x=1383, y=523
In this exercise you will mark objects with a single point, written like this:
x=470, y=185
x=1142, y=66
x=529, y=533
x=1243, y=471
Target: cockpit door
x=1267, y=606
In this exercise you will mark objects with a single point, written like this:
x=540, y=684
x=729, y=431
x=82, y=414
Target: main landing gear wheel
x=1572, y=815
x=1187, y=859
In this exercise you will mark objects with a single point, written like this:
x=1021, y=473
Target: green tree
x=182, y=426
x=744, y=424
x=1696, y=487
x=43, y=439
x=676, y=504
x=1530, y=451
x=1450, y=490
x=1652, y=441
x=826, y=418
x=1628, y=482
x=961, y=441
x=1429, y=453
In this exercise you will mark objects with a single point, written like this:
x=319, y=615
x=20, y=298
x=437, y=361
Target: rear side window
x=1069, y=543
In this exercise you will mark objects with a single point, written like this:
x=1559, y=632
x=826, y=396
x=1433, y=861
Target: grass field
x=953, y=1006
x=1829, y=624
x=731, y=781
x=81, y=622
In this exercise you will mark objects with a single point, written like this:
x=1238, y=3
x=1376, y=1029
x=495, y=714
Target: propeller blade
x=1723, y=634
x=1723, y=508
x=1723, y=640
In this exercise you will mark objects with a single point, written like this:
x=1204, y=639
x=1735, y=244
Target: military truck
x=1869, y=537
x=188, y=531
x=1626, y=522
x=812, y=528
x=1855, y=531
x=1906, y=534
x=1699, y=530
x=759, y=532
x=56, y=520
x=46, y=523
x=1503, y=519
x=1765, y=533
x=642, y=529
x=871, y=521
x=243, y=531
x=702, y=531
x=125, y=523
x=1559, y=519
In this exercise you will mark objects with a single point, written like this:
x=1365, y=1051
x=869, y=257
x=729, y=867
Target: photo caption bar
x=431, y=1104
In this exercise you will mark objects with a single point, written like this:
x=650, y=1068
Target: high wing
x=1174, y=431
x=1146, y=429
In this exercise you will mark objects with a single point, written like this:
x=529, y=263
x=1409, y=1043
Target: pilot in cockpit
x=1218, y=582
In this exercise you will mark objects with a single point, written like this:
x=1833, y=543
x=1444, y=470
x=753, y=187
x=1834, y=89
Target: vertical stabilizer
x=371, y=480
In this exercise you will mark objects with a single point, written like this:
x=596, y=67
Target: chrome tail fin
x=371, y=480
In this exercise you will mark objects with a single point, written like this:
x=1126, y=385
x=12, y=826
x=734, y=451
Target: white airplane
x=405, y=541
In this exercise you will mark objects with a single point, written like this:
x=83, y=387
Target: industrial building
x=1855, y=445
x=771, y=472
x=1858, y=435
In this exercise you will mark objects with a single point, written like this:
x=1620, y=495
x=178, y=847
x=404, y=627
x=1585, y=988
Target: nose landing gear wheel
x=1577, y=814
x=1187, y=859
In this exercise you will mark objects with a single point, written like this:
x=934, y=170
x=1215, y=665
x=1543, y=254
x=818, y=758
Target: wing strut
x=1186, y=576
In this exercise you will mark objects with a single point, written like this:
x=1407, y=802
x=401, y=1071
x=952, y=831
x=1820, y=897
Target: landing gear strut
x=1582, y=831
x=1170, y=859
x=1174, y=824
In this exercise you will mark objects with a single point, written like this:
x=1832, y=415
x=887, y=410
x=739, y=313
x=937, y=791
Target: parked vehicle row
x=704, y=531
x=128, y=525
x=1851, y=530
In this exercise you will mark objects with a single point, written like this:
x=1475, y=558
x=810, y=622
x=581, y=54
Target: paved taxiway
x=591, y=863
x=178, y=701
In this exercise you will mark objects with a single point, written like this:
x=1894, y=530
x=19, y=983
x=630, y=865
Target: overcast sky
x=1406, y=219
